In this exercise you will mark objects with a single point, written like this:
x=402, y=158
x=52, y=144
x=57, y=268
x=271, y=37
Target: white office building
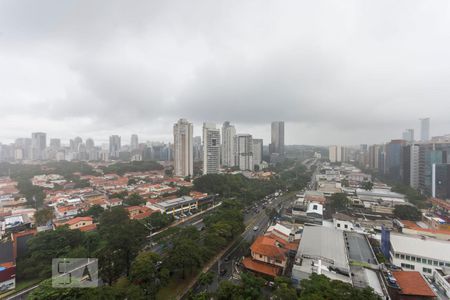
x=243, y=144
x=425, y=129
x=228, y=133
x=421, y=254
x=211, y=148
x=183, y=148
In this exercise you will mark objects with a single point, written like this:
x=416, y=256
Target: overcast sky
x=337, y=72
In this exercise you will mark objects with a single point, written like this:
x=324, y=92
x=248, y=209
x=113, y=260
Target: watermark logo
x=74, y=272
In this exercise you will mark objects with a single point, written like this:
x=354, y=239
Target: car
x=255, y=228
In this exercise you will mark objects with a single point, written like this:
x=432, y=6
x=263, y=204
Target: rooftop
x=261, y=267
x=412, y=283
x=269, y=247
x=324, y=243
x=418, y=246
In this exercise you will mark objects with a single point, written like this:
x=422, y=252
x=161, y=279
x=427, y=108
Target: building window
x=430, y=262
x=338, y=225
x=424, y=261
x=441, y=264
x=407, y=266
x=447, y=264
x=346, y=226
x=402, y=256
x=408, y=257
x=397, y=255
x=426, y=270
x=435, y=262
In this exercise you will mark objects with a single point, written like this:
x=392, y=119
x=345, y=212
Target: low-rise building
x=411, y=285
x=441, y=278
x=139, y=212
x=82, y=223
x=175, y=206
x=419, y=253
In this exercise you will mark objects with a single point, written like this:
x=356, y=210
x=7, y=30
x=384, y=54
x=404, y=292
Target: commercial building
x=183, y=150
x=257, y=151
x=440, y=182
x=394, y=159
x=243, y=153
x=277, y=138
x=374, y=153
x=211, y=148
x=425, y=129
x=175, y=206
x=408, y=135
x=228, y=147
x=322, y=250
x=419, y=253
x=114, y=146
x=134, y=142
x=38, y=145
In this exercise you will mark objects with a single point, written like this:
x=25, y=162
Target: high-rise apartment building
x=228, y=133
x=38, y=145
x=408, y=135
x=335, y=153
x=134, y=143
x=183, y=149
x=394, y=159
x=243, y=144
x=277, y=138
x=440, y=181
x=257, y=151
x=374, y=153
x=114, y=146
x=211, y=146
x=425, y=129
x=198, y=148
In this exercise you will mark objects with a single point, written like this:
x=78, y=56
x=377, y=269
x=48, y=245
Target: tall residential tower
x=211, y=148
x=228, y=133
x=183, y=150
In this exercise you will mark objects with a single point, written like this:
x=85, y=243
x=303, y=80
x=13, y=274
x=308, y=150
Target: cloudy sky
x=335, y=71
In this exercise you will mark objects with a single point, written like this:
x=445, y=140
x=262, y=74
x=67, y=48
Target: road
x=228, y=261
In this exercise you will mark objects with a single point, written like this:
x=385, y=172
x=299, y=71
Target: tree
x=158, y=220
x=321, y=287
x=407, y=212
x=344, y=183
x=183, y=191
x=94, y=211
x=367, y=185
x=228, y=291
x=43, y=216
x=185, y=256
x=339, y=201
x=284, y=289
x=144, y=272
x=134, y=200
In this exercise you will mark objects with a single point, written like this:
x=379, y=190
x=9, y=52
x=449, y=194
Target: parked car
x=255, y=228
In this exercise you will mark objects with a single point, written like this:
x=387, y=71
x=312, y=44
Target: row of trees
x=121, y=168
x=127, y=271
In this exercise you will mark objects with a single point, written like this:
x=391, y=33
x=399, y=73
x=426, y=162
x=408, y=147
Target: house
x=114, y=202
x=281, y=232
x=139, y=212
x=63, y=212
x=269, y=256
x=411, y=285
x=79, y=223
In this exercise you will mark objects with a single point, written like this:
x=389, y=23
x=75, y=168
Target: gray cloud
x=336, y=72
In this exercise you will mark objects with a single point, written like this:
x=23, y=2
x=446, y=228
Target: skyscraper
x=55, y=143
x=243, y=153
x=134, y=143
x=38, y=145
x=211, y=148
x=183, y=150
x=198, y=148
x=257, y=151
x=408, y=135
x=228, y=133
x=277, y=138
x=114, y=146
x=425, y=129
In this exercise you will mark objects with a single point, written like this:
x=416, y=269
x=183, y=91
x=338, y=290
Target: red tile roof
x=412, y=283
x=78, y=219
x=412, y=225
x=86, y=228
x=267, y=246
x=261, y=267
